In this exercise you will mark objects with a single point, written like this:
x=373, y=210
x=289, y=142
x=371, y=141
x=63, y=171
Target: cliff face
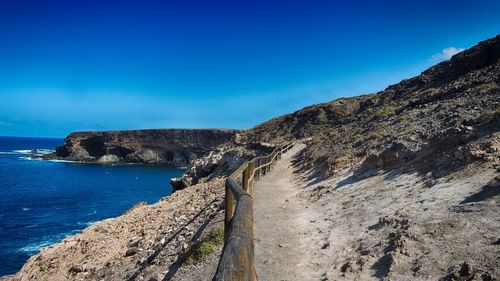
x=159, y=146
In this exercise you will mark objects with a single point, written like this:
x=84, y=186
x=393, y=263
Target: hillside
x=449, y=110
x=402, y=184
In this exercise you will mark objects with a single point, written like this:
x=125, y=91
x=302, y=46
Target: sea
x=42, y=202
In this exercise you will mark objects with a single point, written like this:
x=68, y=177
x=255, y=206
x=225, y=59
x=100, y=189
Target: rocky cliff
x=160, y=146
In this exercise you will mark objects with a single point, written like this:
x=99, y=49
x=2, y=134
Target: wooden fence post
x=246, y=178
x=251, y=170
x=229, y=205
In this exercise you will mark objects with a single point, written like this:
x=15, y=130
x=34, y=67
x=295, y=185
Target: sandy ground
x=394, y=226
x=379, y=226
x=279, y=226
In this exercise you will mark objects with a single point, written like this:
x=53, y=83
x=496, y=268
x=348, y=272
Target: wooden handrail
x=237, y=259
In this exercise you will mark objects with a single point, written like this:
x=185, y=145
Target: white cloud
x=447, y=53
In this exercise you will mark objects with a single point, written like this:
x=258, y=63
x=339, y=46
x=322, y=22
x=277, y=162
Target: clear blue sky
x=98, y=65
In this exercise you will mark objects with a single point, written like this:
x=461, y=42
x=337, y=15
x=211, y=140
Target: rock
x=465, y=269
x=179, y=183
x=347, y=267
x=131, y=251
x=135, y=243
x=147, y=156
x=219, y=162
x=174, y=146
x=108, y=158
x=495, y=182
x=396, y=154
x=77, y=268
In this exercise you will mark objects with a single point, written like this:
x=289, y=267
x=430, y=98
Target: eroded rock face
x=161, y=146
x=219, y=163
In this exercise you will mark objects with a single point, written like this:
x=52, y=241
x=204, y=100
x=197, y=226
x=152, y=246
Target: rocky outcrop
x=219, y=163
x=161, y=146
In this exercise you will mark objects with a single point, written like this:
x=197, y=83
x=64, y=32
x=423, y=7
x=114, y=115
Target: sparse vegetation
x=316, y=140
x=403, y=118
x=339, y=114
x=384, y=112
x=206, y=247
x=357, y=137
x=495, y=111
x=483, y=88
x=378, y=135
x=429, y=91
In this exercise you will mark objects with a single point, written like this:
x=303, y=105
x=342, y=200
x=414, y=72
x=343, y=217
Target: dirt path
x=278, y=212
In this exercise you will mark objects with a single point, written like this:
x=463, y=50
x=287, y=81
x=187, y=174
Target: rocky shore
x=158, y=146
x=148, y=242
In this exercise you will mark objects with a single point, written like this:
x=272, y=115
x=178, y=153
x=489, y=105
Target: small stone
x=346, y=267
x=77, y=268
x=135, y=242
x=326, y=245
x=131, y=251
x=465, y=270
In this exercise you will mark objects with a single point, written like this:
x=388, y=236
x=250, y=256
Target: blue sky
x=99, y=65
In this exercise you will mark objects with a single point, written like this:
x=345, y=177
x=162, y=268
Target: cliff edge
x=158, y=146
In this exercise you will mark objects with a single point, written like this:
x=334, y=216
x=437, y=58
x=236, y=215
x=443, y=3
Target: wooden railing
x=237, y=260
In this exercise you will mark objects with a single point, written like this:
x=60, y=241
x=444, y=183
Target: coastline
x=66, y=198
x=118, y=247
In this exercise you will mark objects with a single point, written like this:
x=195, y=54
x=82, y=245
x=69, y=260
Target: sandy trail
x=277, y=210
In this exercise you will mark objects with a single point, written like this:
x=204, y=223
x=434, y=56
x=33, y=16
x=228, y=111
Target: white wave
x=26, y=209
x=38, y=152
x=28, y=158
x=86, y=224
x=43, y=151
x=182, y=167
x=23, y=151
x=63, y=161
x=92, y=213
x=35, y=247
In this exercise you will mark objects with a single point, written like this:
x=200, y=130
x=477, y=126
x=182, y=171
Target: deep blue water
x=42, y=202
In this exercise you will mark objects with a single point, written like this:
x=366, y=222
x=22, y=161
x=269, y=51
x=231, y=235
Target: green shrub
x=207, y=246
x=357, y=137
x=429, y=91
x=384, y=112
x=403, y=118
x=315, y=140
x=378, y=135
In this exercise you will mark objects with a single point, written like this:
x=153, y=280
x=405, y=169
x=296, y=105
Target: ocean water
x=42, y=202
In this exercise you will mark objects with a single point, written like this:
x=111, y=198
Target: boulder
x=108, y=158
